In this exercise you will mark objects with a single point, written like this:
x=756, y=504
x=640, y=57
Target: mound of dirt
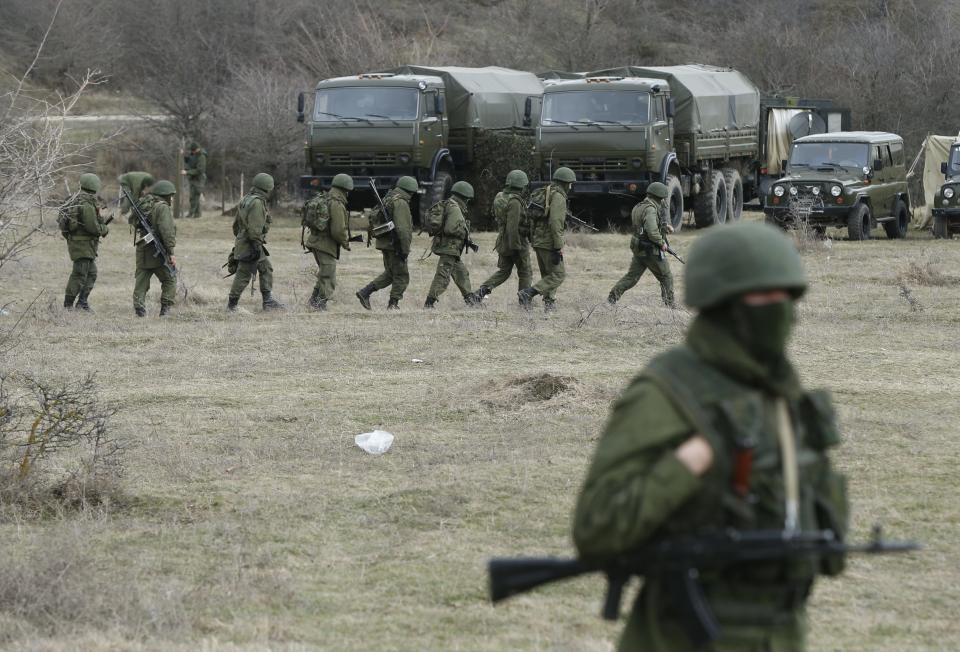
x=541, y=387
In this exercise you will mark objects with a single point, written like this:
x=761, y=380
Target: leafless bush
x=925, y=272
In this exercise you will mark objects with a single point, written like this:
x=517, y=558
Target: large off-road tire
x=941, y=227
x=859, y=223
x=675, y=205
x=439, y=191
x=897, y=228
x=710, y=206
x=734, y=185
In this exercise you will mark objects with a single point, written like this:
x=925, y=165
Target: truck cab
x=854, y=179
x=946, y=204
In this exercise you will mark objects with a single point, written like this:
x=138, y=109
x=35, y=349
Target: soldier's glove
x=669, y=228
x=557, y=257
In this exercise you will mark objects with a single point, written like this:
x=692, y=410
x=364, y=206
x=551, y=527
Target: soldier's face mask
x=764, y=329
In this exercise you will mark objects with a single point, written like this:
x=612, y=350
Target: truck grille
x=365, y=159
x=595, y=164
x=804, y=204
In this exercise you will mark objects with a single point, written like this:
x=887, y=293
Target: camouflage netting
x=495, y=154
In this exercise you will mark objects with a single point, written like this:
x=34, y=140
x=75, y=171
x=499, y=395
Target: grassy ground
x=251, y=521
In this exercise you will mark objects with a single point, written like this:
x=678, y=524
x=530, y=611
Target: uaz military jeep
x=853, y=179
x=946, y=205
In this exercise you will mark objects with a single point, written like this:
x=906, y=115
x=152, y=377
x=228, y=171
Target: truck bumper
x=322, y=182
x=633, y=188
x=949, y=213
x=825, y=216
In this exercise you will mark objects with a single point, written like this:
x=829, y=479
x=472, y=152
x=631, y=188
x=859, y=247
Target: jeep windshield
x=953, y=165
x=596, y=108
x=365, y=104
x=828, y=156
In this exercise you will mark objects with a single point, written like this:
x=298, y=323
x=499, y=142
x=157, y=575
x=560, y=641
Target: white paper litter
x=377, y=442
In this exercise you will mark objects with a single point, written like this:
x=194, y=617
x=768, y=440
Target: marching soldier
x=327, y=217
x=648, y=244
x=394, y=245
x=250, y=228
x=715, y=434
x=548, y=241
x=513, y=245
x=156, y=208
x=83, y=226
x=451, y=236
x=195, y=164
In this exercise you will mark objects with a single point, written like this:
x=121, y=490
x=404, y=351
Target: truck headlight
x=404, y=159
x=836, y=191
x=636, y=162
x=778, y=191
x=321, y=158
x=815, y=190
x=948, y=193
x=793, y=191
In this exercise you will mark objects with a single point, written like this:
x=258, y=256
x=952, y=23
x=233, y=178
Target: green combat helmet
x=565, y=175
x=463, y=189
x=343, y=182
x=658, y=190
x=517, y=179
x=263, y=181
x=731, y=260
x=163, y=188
x=408, y=183
x=90, y=182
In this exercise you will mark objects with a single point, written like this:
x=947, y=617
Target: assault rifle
x=576, y=221
x=679, y=562
x=673, y=253
x=470, y=244
x=149, y=235
x=386, y=227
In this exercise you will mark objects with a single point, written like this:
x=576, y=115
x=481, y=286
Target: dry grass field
x=248, y=520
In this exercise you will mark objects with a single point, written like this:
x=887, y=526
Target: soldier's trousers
x=196, y=189
x=83, y=277
x=505, y=264
x=245, y=272
x=551, y=275
x=640, y=263
x=141, y=285
x=450, y=267
x=326, y=274
x=395, y=274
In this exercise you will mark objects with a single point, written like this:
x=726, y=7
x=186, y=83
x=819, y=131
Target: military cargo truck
x=853, y=179
x=946, y=205
x=701, y=130
x=413, y=120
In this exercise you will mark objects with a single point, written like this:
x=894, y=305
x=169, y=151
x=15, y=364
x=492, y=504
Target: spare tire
x=710, y=206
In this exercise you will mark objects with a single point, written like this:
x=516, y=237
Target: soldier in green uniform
x=250, y=228
x=135, y=183
x=329, y=224
x=513, y=233
x=394, y=245
x=83, y=229
x=156, y=208
x=195, y=169
x=548, y=241
x=648, y=244
x=719, y=433
x=450, y=239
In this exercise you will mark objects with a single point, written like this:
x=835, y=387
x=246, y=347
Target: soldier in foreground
x=135, y=183
x=677, y=455
x=450, y=229
x=195, y=169
x=394, y=245
x=250, y=251
x=513, y=233
x=548, y=241
x=648, y=244
x=156, y=207
x=82, y=226
x=328, y=221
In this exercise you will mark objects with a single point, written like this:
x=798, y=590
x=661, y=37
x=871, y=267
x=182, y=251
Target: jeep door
x=881, y=195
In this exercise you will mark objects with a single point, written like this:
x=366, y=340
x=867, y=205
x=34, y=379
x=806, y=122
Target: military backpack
x=500, y=203
x=537, y=206
x=436, y=216
x=68, y=216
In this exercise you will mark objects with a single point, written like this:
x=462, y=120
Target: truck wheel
x=858, y=223
x=438, y=192
x=941, y=227
x=710, y=206
x=734, y=183
x=897, y=228
x=676, y=202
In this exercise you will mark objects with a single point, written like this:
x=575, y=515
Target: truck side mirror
x=671, y=107
x=300, y=105
x=877, y=165
x=439, y=104
x=527, y=111
x=943, y=168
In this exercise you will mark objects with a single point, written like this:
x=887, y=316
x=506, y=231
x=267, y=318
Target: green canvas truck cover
x=708, y=98
x=484, y=98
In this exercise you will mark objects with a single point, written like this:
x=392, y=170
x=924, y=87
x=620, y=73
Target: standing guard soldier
x=513, y=233
x=195, y=164
x=155, y=206
x=250, y=251
x=394, y=245
x=548, y=241
x=82, y=226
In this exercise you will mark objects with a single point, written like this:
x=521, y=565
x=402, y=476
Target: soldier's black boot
x=394, y=304
x=164, y=309
x=269, y=303
x=321, y=305
x=549, y=306
x=232, y=303
x=315, y=299
x=526, y=296
x=140, y=311
x=68, y=301
x=482, y=293
x=612, y=300
x=430, y=302
x=364, y=295
x=82, y=303
x=471, y=299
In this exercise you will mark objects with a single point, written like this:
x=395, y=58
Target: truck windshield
x=828, y=155
x=366, y=103
x=953, y=167
x=603, y=107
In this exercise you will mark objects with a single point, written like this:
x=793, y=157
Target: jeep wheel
x=897, y=228
x=858, y=223
x=941, y=227
x=676, y=202
x=438, y=192
x=710, y=206
x=734, y=183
